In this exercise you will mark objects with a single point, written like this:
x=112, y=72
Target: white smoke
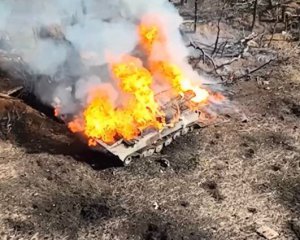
x=82, y=33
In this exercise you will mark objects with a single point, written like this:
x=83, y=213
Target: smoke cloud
x=66, y=42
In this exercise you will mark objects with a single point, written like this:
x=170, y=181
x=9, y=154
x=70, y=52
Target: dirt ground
x=223, y=181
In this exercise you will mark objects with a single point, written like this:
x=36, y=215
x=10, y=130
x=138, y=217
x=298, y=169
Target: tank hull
x=154, y=141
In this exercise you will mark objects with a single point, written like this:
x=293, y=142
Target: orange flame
x=56, y=112
x=102, y=120
x=140, y=110
x=149, y=35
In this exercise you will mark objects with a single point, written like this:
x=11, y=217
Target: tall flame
x=104, y=121
x=151, y=34
x=140, y=110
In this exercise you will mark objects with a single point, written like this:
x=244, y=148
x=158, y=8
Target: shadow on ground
x=38, y=133
x=74, y=215
x=153, y=226
x=288, y=192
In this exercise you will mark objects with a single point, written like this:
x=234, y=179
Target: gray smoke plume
x=65, y=42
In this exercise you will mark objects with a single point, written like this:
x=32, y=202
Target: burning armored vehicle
x=130, y=101
x=154, y=103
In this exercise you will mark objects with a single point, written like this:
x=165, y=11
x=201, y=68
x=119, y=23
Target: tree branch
x=254, y=70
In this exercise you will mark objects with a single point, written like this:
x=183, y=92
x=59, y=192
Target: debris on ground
x=267, y=232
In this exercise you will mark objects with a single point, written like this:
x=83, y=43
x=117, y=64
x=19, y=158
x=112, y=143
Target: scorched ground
x=221, y=182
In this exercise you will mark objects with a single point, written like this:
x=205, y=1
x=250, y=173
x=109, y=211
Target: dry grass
x=223, y=182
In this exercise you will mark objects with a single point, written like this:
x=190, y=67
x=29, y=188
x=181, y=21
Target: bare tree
x=270, y=5
x=196, y=15
x=219, y=29
x=254, y=14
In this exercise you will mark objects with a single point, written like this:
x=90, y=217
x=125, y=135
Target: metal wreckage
x=179, y=117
